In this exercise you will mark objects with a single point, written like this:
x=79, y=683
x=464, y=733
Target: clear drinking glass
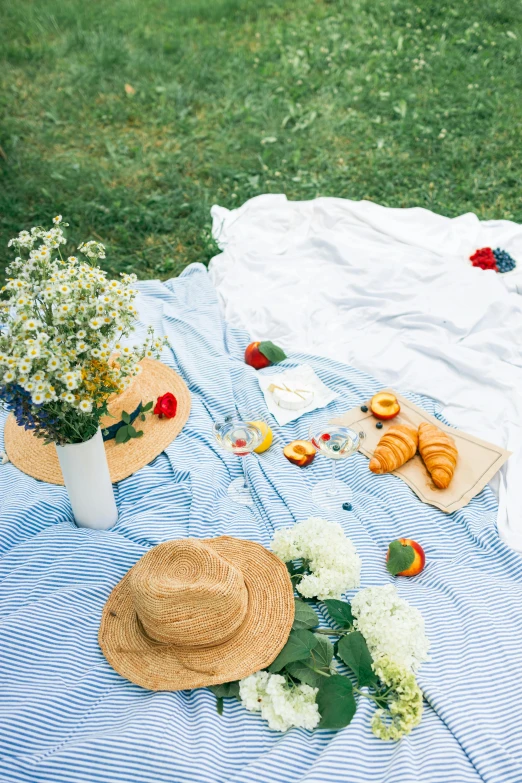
x=336, y=443
x=238, y=434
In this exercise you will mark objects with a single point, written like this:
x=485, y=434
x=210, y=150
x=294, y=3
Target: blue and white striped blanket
x=67, y=717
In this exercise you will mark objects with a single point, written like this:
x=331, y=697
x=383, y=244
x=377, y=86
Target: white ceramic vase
x=88, y=482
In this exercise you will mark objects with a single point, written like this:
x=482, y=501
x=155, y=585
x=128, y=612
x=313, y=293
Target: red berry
x=484, y=258
x=325, y=436
x=240, y=443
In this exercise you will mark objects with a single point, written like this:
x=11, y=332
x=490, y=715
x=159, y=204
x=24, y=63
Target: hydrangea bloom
x=279, y=703
x=332, y=560
x=404, y=710
x=392, y=628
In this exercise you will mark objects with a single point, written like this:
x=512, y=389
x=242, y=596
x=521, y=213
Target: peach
x=255, y=358
x=384, y=406
x=300, y=452
x=262, y=354
x=419, y=558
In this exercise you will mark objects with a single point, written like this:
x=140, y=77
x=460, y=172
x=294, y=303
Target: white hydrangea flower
x=332, y=559
x=392, y=628
x=404, y=711
x=281, y=704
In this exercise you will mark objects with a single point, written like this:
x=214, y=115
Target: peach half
x=300, y=452
x=384, y=406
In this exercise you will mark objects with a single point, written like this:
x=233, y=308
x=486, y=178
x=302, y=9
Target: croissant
x=396, y=447
x=439, y=453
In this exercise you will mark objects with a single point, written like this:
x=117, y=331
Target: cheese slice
x=291, y=399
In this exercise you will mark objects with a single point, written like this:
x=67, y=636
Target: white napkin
x=299, y=377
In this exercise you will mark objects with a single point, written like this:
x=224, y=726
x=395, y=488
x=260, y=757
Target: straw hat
x=193, y=613
x=30, y=455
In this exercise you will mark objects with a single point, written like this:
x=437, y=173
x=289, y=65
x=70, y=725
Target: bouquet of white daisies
x=61, y=326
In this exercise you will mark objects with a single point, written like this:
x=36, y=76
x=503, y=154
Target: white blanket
x=392, y=292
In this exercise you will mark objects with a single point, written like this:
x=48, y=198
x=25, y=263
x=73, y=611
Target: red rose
x=166, y=405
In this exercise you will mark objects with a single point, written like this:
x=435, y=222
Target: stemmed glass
x=336, y=443
x=238, y=434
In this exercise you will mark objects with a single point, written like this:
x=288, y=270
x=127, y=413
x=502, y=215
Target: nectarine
x=263, y=354
x=406, y=555
x=300, y=452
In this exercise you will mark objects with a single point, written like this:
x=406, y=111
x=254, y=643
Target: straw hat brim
x=29, y=454
x=257, y=642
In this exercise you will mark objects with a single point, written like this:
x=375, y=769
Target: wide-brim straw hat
x=29, y=454
x=192, y=613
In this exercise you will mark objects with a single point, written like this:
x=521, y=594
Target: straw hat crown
x=188, y=595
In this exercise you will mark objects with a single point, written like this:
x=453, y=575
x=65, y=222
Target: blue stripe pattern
x=67, y=717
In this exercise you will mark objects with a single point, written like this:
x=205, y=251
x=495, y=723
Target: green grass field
x=131, y=118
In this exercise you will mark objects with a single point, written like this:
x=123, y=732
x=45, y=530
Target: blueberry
x=336, y=447
x=347, y=506
x=379, y=425
x=505, y=263
x=364, y=408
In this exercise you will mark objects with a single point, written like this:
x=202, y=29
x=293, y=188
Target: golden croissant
x=439, y=453
x=396, y=447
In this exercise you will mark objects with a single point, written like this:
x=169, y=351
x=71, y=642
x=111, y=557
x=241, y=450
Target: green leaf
x=297, y=648
x=354, y=652
x=219, y=705
x=320, y=658
x=131, y=431
x=226, y=690
x=340, y=612
x=147, y=407
x=272, y=352
x=336, y=702
x=139, y=434
x=302, y=672
x=122, y=436
x=142, y=416
x=304, y=617
x=400, y=557
x=125, y=417
x=322, y=653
